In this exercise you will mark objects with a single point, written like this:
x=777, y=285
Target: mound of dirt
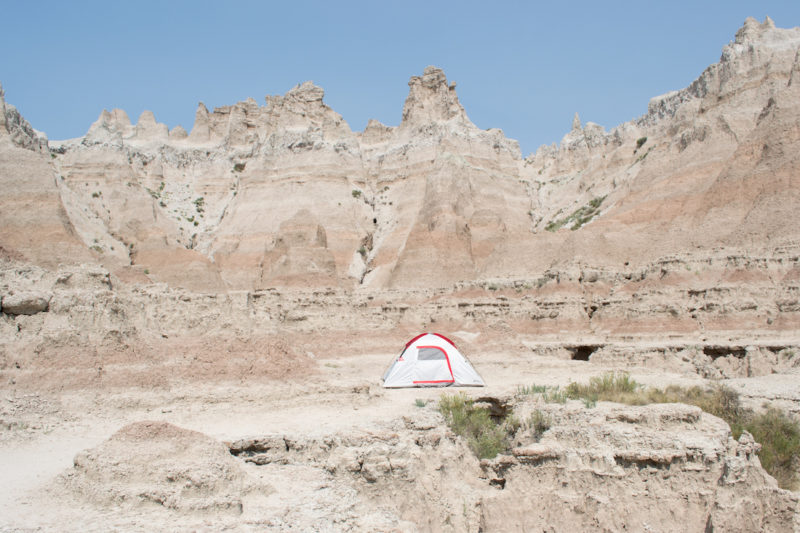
x=157, y=463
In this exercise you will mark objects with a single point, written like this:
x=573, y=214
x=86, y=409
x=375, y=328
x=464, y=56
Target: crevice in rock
x=582, y=352
x=499, y=409
x=500, y=483
x=644, y=462
x=717, y=351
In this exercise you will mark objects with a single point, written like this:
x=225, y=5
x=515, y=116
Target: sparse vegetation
x=555, y=395
x=238, y=167
x=199, y=204
x=97, y=194
x=539, y=422
x=641, y=157
x=547, y=393
x=640, y=142
x=420, y=402
x=610, y=387
x=485, y=437
x=589, y=403
x=778, y=434
x=356, y=193
x=527, y=390
x=579, y=217
x=363, y=252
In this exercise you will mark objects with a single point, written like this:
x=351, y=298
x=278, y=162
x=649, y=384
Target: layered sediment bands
x=34, y=225
x=436, y=200
x=724, y=317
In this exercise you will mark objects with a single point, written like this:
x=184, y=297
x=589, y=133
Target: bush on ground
x=485, y=437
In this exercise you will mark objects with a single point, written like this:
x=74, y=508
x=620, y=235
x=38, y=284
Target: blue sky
x=524, y=67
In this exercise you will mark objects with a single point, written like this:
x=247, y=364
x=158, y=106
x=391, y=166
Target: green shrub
x=590, y=403
x=640, y=142
x=555, y=395
x=610, y=387
x=356, y=193
x=527, y=390
x=238, y=167
x=641, y=157
x=420, y=402
x=548, y=394
x=579, y=217
x=484, y=436
x=539, y=422
x=779, y=436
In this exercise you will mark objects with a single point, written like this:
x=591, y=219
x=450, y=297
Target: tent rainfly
x=431, y=360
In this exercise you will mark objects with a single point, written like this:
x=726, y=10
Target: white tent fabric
x=431, y=360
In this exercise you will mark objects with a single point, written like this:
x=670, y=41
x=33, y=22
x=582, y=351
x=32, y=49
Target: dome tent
x=431, y=360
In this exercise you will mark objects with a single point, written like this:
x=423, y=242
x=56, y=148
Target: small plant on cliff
x=356, y=193
x=539, y=422
x=779, y=436
x=579, y=217
x=610, y=387
x=485, y=437
x=238, y=167
x=640, y=142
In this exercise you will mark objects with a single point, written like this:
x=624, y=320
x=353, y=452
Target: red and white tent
x=431, y=360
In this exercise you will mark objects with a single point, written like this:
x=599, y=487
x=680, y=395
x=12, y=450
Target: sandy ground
x=345, y=395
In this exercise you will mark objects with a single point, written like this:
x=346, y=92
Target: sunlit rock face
x=428, y=203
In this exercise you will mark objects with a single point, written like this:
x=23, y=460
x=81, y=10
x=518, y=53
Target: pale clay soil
x=344, y=396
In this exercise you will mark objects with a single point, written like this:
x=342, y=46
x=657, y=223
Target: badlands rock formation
x=269, y=262
x=709, y=166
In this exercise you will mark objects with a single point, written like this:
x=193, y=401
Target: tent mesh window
x=430, y=354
